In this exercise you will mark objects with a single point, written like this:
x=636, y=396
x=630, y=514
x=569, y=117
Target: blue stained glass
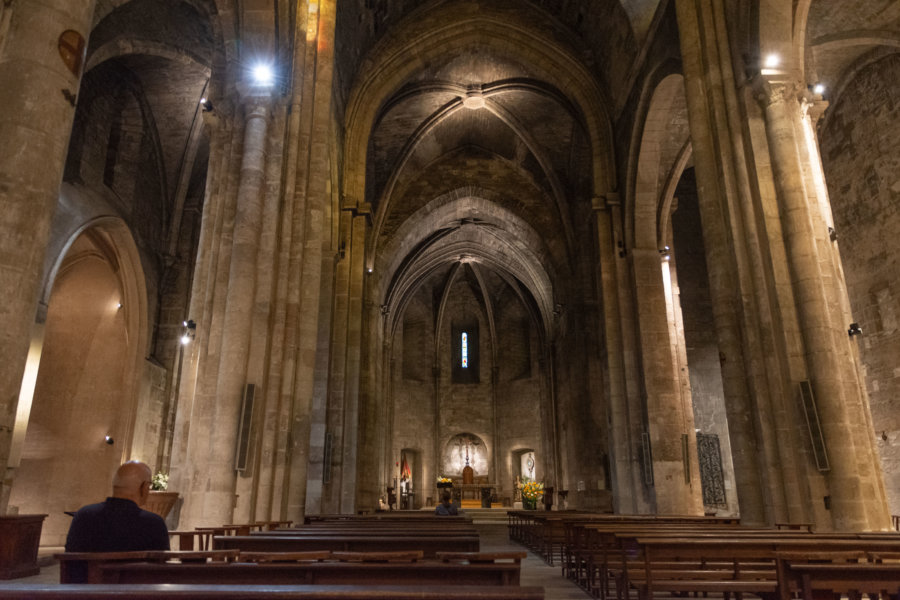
x=465, y=350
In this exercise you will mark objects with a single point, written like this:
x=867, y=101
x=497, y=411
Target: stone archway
x=85, y=355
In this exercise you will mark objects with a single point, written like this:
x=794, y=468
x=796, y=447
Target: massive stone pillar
x=857, y=501
x=41, y=55
x=707, y=80
x=226, y=328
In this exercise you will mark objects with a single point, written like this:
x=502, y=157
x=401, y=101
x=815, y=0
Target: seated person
x=446, y=507
x=118, y=524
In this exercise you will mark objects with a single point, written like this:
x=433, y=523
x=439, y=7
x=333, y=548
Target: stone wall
x=507, y=403
x=700, y=338
x=861, y=159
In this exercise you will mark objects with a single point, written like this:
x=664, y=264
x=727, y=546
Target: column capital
x=605, y=200
x=815, y=108
x=769, y=92
x=254, y=99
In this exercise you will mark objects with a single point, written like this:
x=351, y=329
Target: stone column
x=826, y=342
x=37, y=96
x=622, y=460
x=215, y=459
x=701, y=78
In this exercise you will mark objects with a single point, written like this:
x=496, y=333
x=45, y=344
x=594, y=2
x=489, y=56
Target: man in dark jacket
x=445, y=507
x=119, y=524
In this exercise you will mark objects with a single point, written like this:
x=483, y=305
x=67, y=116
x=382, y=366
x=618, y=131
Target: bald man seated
x=119, y=524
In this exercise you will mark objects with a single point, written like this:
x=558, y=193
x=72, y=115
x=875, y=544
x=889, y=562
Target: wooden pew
x=395, y=516
x=429, y=544
x=850, y=579
x=649, y=563
x=317, y=573
x=587, y=541
x=25, y=591
x=78, y=567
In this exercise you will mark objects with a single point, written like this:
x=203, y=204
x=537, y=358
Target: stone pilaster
x=37, y=96
x=622, y=461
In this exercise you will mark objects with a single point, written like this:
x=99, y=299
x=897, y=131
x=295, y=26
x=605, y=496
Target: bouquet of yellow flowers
x=532, y=490
x=444, y=480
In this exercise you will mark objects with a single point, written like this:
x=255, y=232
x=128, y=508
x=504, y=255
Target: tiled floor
x=494, y=538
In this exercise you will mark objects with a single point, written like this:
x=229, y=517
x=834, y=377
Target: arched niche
x=457, y=448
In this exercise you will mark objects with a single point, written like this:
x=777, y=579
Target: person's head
x=445, y=497
x=132, y=482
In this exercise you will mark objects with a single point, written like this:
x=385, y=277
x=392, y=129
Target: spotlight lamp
x=664, y=252
x=206, y=105
x=190, y=331
x=854, y=329
x=263, y=74
x=832, y=234
x=108, y=439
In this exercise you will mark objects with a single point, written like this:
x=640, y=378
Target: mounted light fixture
x=190, y=331
x=263, y=74
x=832, y=234
x=664, y=252
x=854, y=329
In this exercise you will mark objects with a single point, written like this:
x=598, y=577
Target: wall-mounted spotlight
x=854, y=329
x=772, y=61
x=622, y=251
x=664, y=252
x=190, y=331
x=818, y=89
x=109, y=440
x=370, y=269
x=832, y=234
x=263, y=74
x=206, y=105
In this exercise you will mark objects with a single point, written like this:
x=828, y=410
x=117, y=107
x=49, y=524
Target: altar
x=472, y=495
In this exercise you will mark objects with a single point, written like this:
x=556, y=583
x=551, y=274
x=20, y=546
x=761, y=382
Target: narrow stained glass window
x=465, y=350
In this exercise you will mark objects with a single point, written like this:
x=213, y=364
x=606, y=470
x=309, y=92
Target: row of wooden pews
x=638, y=556
x=412, y=531
x=420, y=555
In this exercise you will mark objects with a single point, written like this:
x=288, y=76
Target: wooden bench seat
x=429, y=545
x=77, y=567
x=851, y=580
x=315, y=573
x=646, y=561
x=482, y=557
x=25, y=591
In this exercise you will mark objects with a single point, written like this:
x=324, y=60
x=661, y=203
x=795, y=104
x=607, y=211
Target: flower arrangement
x=160, y=482
x=444, y=480
x=532, y=490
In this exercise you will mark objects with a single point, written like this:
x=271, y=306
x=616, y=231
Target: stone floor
x=494, y=538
